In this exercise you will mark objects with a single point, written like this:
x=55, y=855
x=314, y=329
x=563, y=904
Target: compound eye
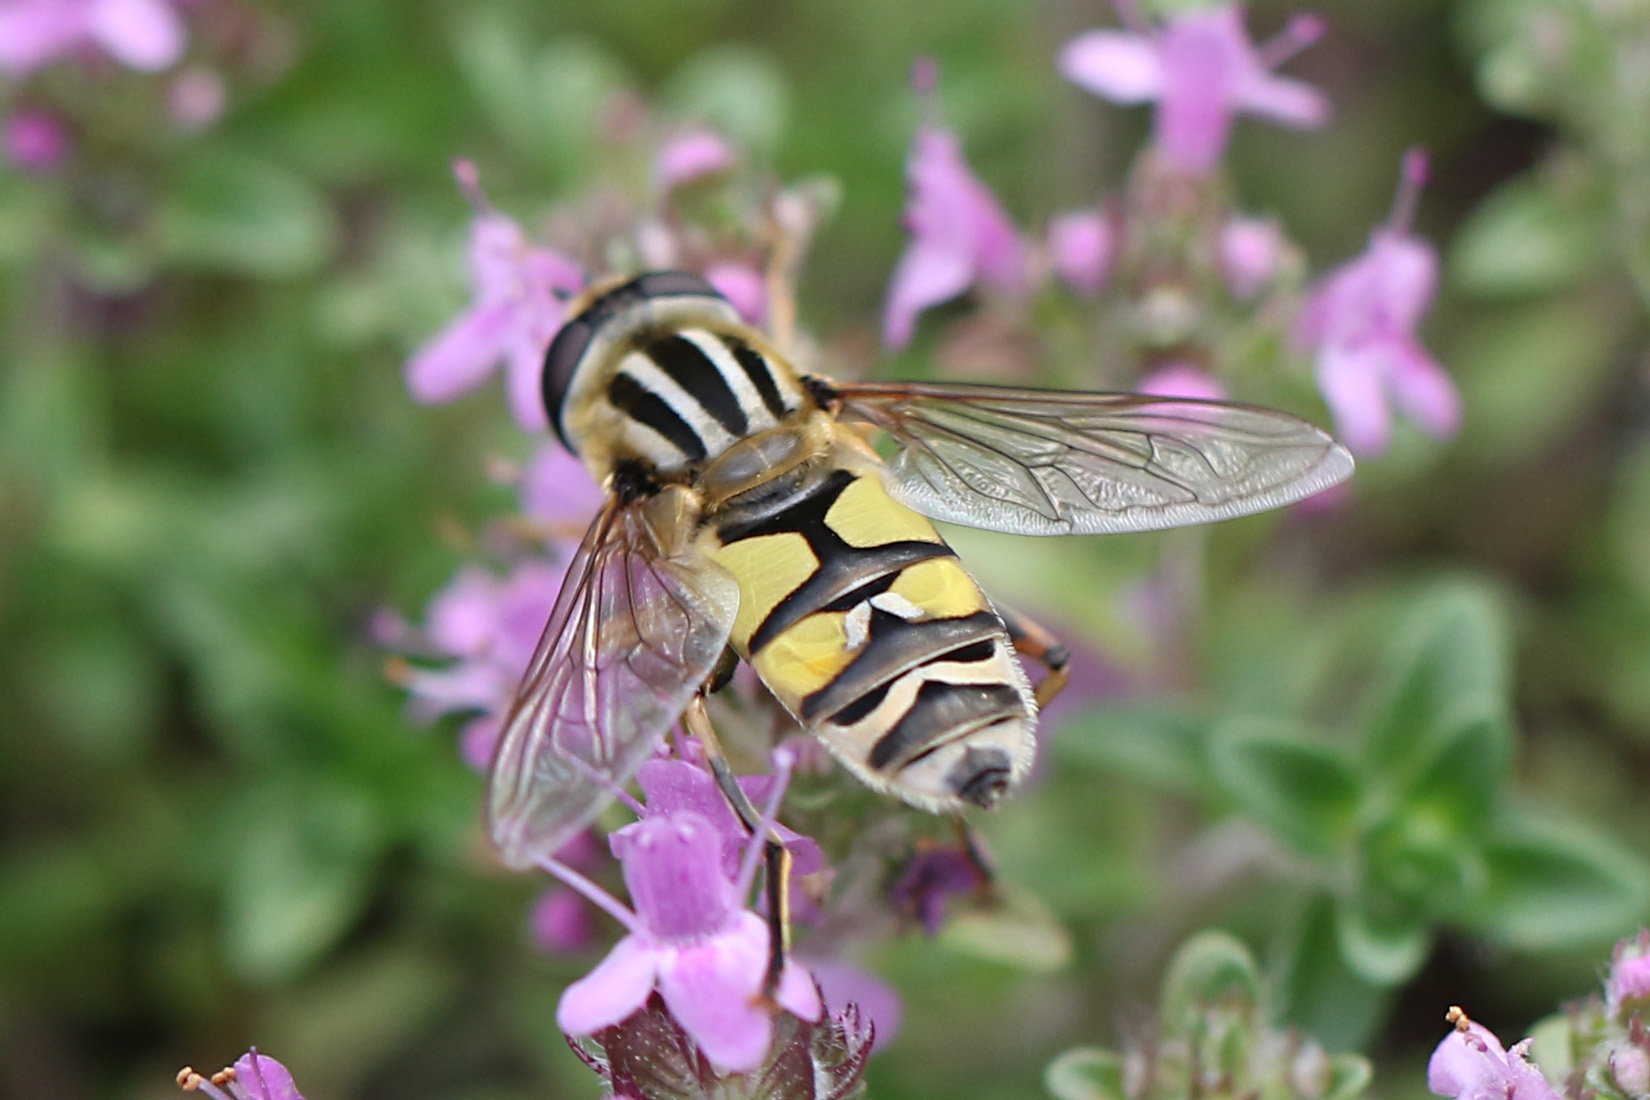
x=561, y=359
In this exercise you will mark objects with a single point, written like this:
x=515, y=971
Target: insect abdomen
x=862, y=621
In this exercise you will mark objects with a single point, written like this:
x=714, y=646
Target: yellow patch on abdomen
x=865, y=515
x=941, y=587
x=804, y=658
x=768, y=568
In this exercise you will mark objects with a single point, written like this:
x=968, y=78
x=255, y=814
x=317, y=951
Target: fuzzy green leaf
x=1297, y=786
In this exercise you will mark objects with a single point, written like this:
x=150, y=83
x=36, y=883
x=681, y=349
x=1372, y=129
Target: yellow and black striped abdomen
x=862, y=621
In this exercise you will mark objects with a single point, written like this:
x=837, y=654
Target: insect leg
x=1033, y=640
x=973, y=849
x=776, y=857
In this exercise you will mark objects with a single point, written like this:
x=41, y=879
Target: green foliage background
x=220, y=827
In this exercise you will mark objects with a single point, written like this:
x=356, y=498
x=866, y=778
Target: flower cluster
x=1192, y=284
x=1601, y=1043
x=1187, y=287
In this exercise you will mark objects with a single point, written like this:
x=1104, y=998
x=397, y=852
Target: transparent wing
x=1051, y=462
x=633, y=635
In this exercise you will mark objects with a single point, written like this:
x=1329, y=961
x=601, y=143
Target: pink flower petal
x=712, y=988
x=556, y=488
x=1291, y=102
x=617, y=987
x=478, y=740
x=524, y=379
x=797, y=993
x=562, y=922
x=34, y=32
x=742, y=285
x=689, y=156
x=1123, y=68
x=1353, y=386
x=925, y=276
x=144, y=34
x=1182, y=380
x=1424, y=392
x=460, y=356
x=261, y=1077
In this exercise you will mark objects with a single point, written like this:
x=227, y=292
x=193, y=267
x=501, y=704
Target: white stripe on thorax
x=757, y=416
x=649, y=375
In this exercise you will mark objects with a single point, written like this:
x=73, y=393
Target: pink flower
x=691, y=155
x=1629, y=972
x=519, y=291
x=742, y=285
x=1182, y=380
x=562, y=922
x=140, y=34
x=1250, y=251
x=254, y=1076
x=556, y=489
x=677, y=786
x=35, y=141
x=693, y=943
x=959, y=234
x=1081, y=248
x=1470, y=1064
x=489, y=626
x=1201, y=69
x=1361, y=321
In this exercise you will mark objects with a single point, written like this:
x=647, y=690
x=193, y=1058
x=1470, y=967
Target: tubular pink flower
x=677, y=786
x=959, y=236
x=519, y=288
x=1470, y=1064
x=140, y=34
x=1081, y=248
x=1201, y=69
x=254, y=1076
x=706, y=956
x=691, y=155
x=1361, y=320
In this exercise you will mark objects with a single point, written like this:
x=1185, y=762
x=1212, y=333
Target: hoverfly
x=745, y=510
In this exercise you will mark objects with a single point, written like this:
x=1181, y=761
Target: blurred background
x=1403, y=757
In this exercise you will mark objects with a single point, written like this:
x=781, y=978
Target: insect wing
x=634, y=633
x=1051, y=462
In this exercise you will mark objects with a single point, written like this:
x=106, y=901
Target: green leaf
x=300, y=879
x=1085, y=1073
x=1325, y=996
x=1446, y=668
x=1349, y=1077
x=1294, y=784
x=1383, y=950
x=1532, y=371
x=1532, y=235
x=1459, y=784
x=1213, y=967
x=245, y=215
x=1158, y=745
x=1556, y=884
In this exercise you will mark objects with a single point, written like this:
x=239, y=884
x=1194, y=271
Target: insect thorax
x=662, y=370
